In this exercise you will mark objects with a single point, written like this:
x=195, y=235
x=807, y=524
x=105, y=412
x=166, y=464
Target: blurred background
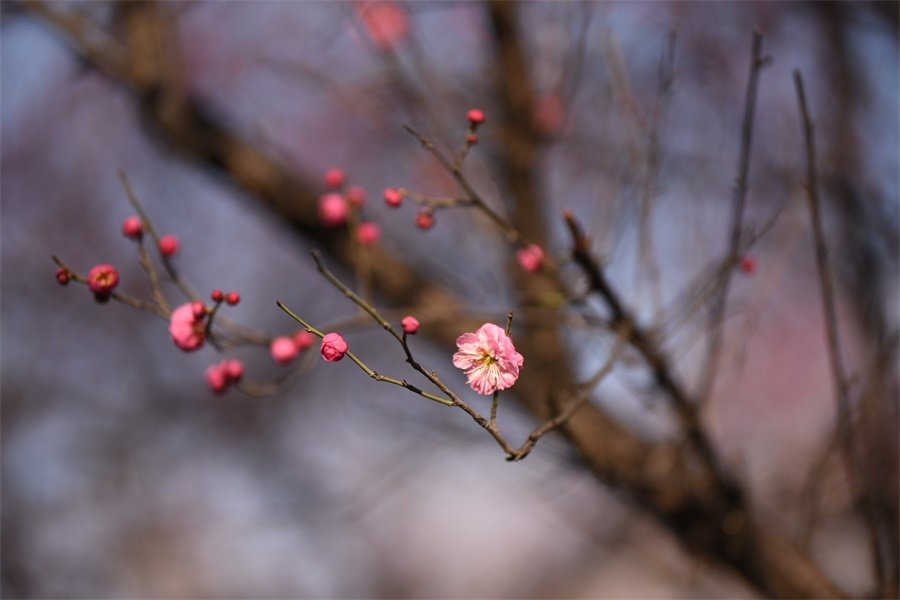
x=124, y=476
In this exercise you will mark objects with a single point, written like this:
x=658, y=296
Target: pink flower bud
x=234, y=370
x=217, y=295
x=356, y=196
x=747, y=264
x=332, y=210
x=334, y=178
x=216, y=378
x=188, y=331
x=283, y=350
x=530, y=258
x=410, y=324
x=424, y=219
x=62, y=277
x=475, y=116
x=471, y=139
x=333, y=347
x=132, y=228
x=102, y=279
x=169, y=245
x=368, y=233
x=392, y=197
x=303, y=340
x=232, y=298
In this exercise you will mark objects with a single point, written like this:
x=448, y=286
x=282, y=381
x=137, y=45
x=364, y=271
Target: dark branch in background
x=844, y=417
x=717, y=315
x=659, y=476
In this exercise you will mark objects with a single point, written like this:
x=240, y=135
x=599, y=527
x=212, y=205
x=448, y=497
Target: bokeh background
x=123, y=476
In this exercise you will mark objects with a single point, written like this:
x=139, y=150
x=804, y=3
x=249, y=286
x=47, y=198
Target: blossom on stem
x=385, y=22
x=303, y=339
x=475, y=117
x=356, y=196
x=333, y=210
x=132, y=228
x=188, y=330
x=102, y=279
x=334, y=178
x=392, y=197
x=530, y=258
x=283, y=350
x=368, y=233
x=410, y=324
x=333, y=347
x=488, y=358
x=425, y=219
x=169, y=245
x=62, y=276
x=216, y=378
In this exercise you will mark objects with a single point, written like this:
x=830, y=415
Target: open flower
x=188, y=330
x=102, y=279
x=488, y=358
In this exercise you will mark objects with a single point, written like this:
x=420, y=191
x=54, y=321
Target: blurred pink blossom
x=188, y=331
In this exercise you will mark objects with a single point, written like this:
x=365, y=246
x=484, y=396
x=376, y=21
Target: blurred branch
x=716, y=320
x=844, y=418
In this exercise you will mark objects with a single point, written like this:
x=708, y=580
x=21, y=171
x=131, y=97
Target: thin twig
x=577, y=402
x=716, y=320
x=173, y=273
x=843, y=416
x=511, y=233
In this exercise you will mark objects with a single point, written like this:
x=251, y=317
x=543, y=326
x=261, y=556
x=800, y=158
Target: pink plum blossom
x=356, y=196
x=410, y=324
x=169, y=245
x=132, y=228
x=334, y=178
x=283, y=350
x=102, y=279
x=385, y=22
x=234, y=370
x=188, y=331
x=488, y=358
x=368, y=233
x=530, y=258
x=333, y=210
x=333, y=347
x=216, y=378
x=303, y=340
x=392, y=197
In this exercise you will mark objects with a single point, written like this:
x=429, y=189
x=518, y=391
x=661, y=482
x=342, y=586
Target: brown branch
x=844, y=418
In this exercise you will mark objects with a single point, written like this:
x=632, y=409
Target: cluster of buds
x=226, y=373
x=336, y=204
x=284, y=349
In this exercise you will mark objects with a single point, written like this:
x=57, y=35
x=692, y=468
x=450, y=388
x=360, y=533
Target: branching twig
x=508, y=230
